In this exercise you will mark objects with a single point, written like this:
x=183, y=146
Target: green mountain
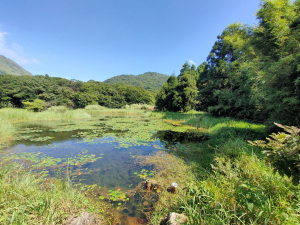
x=7, y=66
x=149, y=80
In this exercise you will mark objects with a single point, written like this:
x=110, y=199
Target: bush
x=37, y=105
x=94, y=107
x=139, y=107
x=283, y=151
x=58, y=109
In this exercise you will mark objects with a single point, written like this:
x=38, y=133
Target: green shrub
x=37, y=105
x=283, y=151
x=58, y=109
x=94, y=107
x=139, y=106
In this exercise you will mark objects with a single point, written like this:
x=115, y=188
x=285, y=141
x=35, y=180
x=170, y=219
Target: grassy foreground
x=31, y=199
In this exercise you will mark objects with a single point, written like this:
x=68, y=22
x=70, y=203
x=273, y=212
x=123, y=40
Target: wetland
x=106, y=157
x=119, y=165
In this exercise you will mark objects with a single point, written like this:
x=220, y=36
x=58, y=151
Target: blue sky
x=99, y=39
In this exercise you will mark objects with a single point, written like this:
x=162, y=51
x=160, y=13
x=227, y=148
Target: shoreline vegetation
x=222, y=180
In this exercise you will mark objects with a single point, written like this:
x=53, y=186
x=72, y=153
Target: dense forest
x=7, y=66
x=252, y=72
x=149, y=80
x=15, y=90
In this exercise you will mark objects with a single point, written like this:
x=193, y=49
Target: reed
x=15, y=114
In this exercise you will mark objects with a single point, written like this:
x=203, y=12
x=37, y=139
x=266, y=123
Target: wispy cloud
x=14, y=52
x=192, y=62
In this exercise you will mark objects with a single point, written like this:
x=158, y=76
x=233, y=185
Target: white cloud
x=14, y=52
x=192, y=62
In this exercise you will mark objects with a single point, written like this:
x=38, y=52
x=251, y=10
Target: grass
x=139, y=107
x=168, y=169
x=234, y=184
x=27, y=198
x=7, y=130
x=243, y=191
x=9, y=116
x=14, y=114
x=94, y=107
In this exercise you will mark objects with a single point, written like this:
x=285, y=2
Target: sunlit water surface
x=100, y=165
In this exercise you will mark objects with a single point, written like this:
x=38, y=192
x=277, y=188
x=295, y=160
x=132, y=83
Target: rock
x=177, y=219
x=84, y=219
x=132, y=220
x=145, y=203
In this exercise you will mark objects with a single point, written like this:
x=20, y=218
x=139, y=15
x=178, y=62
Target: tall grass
x=139, y=107
x=243, y=191
x=7, y=130
x=26, y=198
x=176, y=115
x=94, y=107
x=14, y=114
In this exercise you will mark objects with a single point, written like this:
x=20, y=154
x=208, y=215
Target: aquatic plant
x=144, y=174
x=117, y=195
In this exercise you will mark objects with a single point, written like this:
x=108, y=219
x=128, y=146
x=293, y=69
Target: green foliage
x=37, y=105
x=139, y=107
x=111, y=95
x=282, y=150
x=8, y=66
x=224, y=88
x=58, y=109
x=70, y=93
x=94, y=107
x=53, y=90
x=149, y=80
x=179, y=94
x=252, y=72
x=243, y=191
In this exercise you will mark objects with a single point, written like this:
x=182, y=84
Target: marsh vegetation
x=99, y=159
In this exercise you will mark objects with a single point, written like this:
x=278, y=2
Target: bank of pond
x=119, y=166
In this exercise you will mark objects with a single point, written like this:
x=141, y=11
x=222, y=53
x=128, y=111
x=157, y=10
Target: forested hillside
x=14, y=90
x=252, y=72
x=8, y=66
x=149, y=80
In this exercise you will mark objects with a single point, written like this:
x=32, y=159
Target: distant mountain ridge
x=7, y=66
x=148, y=80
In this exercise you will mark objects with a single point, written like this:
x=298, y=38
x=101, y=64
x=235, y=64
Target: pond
x=99, y=155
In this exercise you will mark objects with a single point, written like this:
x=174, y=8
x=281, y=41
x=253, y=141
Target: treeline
x=148, y=80
x=14, y=90
x=252, y=72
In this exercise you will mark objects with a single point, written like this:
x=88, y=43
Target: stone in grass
x=84, y=219
x=177, y=219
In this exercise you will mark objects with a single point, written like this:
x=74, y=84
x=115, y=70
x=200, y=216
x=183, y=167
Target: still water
x=99, y=155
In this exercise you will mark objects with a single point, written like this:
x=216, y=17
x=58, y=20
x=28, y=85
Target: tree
x=37, y=105
x=179, y=94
